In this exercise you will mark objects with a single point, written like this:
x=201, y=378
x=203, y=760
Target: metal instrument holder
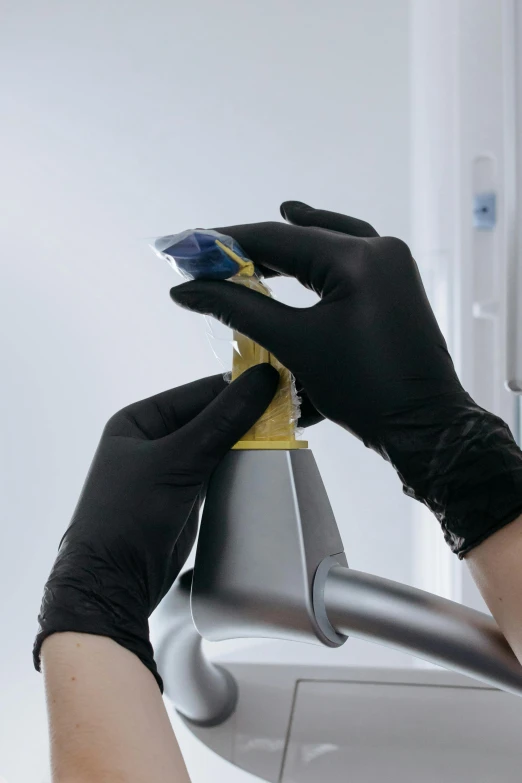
x=267, y=526
x=270, y=564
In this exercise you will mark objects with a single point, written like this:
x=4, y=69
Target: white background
x=122, y=121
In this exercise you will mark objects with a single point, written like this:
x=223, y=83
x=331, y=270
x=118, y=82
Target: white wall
x=121, y=121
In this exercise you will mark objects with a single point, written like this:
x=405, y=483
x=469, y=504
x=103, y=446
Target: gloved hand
x=370, y=356
x=137, y=516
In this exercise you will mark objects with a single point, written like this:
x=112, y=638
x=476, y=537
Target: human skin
x=107, y=719
x=495, y=565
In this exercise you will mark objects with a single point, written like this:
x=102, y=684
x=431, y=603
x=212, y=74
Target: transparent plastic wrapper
x=208, y=255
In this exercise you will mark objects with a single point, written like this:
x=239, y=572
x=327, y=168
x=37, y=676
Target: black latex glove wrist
x=463, y=463
x=370, y=356
x=137, y=516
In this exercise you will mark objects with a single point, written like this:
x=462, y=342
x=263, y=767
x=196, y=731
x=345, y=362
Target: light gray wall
x=121, y=121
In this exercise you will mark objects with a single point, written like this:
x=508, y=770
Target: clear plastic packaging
x=205, y=254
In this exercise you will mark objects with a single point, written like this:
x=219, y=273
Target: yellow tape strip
x=246, y=268
x=271, y=445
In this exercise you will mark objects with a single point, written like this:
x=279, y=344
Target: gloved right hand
x=371, y=357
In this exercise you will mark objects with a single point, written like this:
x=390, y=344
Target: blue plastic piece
x=485, y=211
x=196, y=255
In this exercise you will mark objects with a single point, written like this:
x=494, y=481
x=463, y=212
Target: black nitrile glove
x=137, y=516
x=370, y=356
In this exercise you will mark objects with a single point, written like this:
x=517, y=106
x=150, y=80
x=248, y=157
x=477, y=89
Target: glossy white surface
x=309, y=724
x=369, y=733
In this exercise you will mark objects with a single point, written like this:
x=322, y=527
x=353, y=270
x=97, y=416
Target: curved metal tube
x=269, y=565
x=414, y=621
x=204, y=694
x=357, y=604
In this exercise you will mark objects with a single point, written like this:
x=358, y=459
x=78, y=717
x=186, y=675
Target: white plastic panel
x=485, y=285
x=465, y=65
x=513, y=126
x=403, y=733
x=261, y=722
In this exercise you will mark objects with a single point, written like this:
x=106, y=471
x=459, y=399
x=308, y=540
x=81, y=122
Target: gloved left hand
x=136, y=520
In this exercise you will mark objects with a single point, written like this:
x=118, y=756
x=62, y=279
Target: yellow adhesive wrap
x=276, y=429
x=207, y=254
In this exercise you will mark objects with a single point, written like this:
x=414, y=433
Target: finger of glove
x=166, y=412
x=266, y=321
x=204, y=441
x=292, y=251
x=299, y=214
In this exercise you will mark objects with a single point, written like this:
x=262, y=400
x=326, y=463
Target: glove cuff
x=73, y=610
x=462, y=462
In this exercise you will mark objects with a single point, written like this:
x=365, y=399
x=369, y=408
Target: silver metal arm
x=205, y=694
x=270, y=565
x=424, y=625
x=357, y=604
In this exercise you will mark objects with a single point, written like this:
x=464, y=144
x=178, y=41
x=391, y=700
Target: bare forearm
x=131, y=533
x=106, y=716
x=496, y=568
